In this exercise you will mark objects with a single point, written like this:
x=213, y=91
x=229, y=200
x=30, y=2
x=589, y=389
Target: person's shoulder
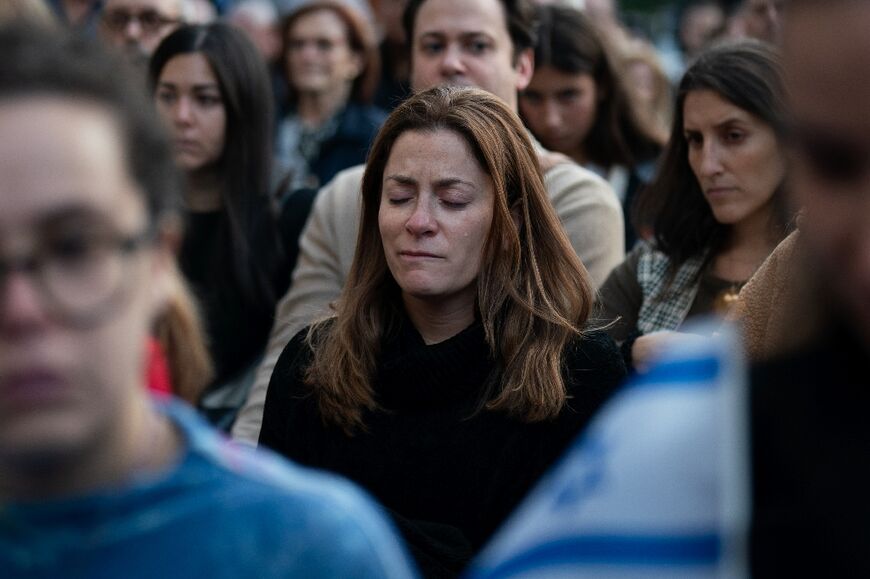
x=568, y=185
x=564, y=170
x=281, y=503
x=297, y=354
x=345, y=184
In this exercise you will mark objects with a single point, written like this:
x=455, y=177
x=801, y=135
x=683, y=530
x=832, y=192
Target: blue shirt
x=222, y=511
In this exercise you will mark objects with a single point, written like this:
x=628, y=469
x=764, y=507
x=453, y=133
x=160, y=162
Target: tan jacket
x=585, y=204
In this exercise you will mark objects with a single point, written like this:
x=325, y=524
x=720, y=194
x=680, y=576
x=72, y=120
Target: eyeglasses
x=835, y=158
x=81, y=276
x=150, y=21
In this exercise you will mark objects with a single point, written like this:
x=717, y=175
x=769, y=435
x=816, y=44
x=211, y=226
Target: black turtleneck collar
x=413, y=374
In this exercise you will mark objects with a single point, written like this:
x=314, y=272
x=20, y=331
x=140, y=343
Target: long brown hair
x=533, y=294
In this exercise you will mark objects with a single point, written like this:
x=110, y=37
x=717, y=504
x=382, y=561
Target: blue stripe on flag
x=624, y=550
x=680, y=374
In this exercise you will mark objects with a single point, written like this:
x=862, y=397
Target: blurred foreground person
x=810, y=434
x=96, y=480
x=806, y=438
x=458, y=365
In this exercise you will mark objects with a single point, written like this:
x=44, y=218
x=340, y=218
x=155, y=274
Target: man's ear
x=525, y=68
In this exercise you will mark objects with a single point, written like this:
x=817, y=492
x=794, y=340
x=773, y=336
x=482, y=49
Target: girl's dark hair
x=748, y=75
x=361, y=38
x=47, y=61
x=244, y=168
x=570, y=43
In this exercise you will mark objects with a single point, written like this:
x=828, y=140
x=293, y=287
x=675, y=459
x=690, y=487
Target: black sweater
x=449, y=476
x=811, y=461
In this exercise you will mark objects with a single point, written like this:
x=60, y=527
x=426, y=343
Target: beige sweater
x=585, y=204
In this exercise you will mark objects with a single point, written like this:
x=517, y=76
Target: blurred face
x=319, y=56
x=189, y=99
x=138, y=26
x=434, y=218
x=761, y=19
x=831, y=177
x=734, y=155
x=466, y=43
x=388, y=14
x=701, y=25
x=66, y=387
x=560, y=109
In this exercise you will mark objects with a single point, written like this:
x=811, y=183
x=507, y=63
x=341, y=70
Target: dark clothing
x=315, y=158
x=237, y=332
x=811, y=461
x=295, y=209
x=357, y=126
x=237, y=324
x=448, y=474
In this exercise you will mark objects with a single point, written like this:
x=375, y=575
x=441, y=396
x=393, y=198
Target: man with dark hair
x=96, y=479
x=482, y=43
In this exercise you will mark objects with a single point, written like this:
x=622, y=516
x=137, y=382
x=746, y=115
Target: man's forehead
x=461, y=17
x=167, y=7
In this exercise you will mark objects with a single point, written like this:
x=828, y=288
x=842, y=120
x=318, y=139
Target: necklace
x=726, y=298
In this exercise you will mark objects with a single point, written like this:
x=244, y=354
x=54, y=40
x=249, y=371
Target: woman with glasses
x=458, y=365
x=716, y=205
x=576, y=104
x=212, y=88
x=333, y=68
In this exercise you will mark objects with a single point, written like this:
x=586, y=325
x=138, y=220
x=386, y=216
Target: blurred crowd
x=398, y=288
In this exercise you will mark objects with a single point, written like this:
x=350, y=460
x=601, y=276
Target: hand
x=647, y=348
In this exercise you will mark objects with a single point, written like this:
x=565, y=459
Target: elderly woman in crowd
x=716, y=205
x=458, y=365
x=333, y=68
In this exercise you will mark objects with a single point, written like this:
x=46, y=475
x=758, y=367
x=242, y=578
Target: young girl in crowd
x=576, y=104
x=212, y=88
x=716, y=204
x=333, y=67
x=457, y=366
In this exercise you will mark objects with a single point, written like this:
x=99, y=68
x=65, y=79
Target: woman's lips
x=720, y=191
x=418, y=255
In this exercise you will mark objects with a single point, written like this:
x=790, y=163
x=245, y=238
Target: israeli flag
x=658, y=486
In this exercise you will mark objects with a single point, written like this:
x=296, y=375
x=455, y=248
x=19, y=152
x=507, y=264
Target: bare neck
x=749, y=244
x=315, y=108
x=437, y=321
x=140, y=441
